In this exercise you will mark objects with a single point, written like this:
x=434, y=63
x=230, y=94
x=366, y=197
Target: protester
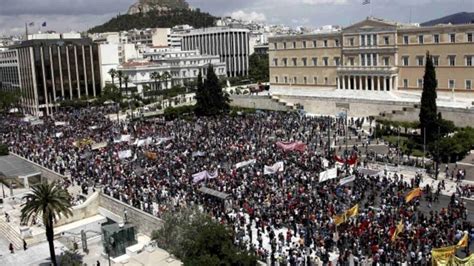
x=277, y=206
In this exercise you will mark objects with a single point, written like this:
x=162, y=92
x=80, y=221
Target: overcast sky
x=67, y=15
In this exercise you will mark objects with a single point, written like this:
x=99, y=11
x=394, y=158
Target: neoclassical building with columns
x=375, y=55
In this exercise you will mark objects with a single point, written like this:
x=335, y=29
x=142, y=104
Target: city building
x=183, y=67
x=231, y=44
x=50, y=70
x=374, y=55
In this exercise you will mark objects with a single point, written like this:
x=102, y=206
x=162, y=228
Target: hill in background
x=157, y=19
x=144, y=6
x=458, y=18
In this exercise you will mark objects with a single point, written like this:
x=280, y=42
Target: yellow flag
x=353, y=211
x=463, y=241
x=413, y=194
x=339, y=219
x=398, y=230
x=443, y=255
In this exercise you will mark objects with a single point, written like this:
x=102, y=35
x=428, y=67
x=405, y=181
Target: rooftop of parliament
x=375, y=55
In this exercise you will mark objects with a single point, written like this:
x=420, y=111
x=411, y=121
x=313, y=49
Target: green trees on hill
x=157, y=19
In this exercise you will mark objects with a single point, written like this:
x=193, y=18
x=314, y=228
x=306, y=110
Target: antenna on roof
x=409, y=20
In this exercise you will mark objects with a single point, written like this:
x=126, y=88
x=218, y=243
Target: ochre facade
x=375, y=55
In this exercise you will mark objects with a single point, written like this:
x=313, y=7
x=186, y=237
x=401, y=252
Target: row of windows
x=451, y=84
x=436, y=38
x=372, y=60
x=304, y=61
x=304, y=44
x=305, y=80
x=371, y=40
x=451, y=59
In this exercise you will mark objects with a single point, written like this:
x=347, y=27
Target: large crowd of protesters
x=286, y=218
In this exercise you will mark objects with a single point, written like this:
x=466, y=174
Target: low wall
x=46, y=173
x=87, y=209
x=259, y=102
x=144, y=222
x=404, y=111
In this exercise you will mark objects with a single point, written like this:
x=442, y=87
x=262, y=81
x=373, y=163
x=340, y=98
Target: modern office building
x=51, y=70
x=183, y=66
x=231, y=44
x=9, y=69
x=375, y=55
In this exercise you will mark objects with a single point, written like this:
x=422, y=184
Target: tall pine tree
x=428, y=109
x=211, y=99
x=199, y=108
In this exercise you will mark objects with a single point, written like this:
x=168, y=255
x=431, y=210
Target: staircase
x=406, y=114
x=288, y=105
x=11, y=235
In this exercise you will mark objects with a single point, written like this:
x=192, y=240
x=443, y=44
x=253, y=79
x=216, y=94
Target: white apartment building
x=230, y=44
x=183, y=66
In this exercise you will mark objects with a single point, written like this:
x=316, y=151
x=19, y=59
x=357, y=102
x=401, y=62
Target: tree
x=211, y=99
x=259, y=68
x=165, y=77
x=428, y=108
x=197, y=239
x=49, y=201
x=200, y=96
x=156, y=77
x=111, y=93
x=9, y=100
x=120, y=77
x=112, y=72
x=125, y=80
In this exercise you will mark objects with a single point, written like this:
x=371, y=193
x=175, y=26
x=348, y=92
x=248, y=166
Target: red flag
x=291, y=146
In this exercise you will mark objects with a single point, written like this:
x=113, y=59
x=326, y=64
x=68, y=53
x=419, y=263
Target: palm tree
x=50, y=201
x=165, y=77
x=112, y=72
x=120, y=77
x=156, y=77
x=125, y=79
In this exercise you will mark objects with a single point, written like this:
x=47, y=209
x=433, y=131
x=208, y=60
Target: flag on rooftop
x=44, y=24
x=366, y=2
x=31, y=24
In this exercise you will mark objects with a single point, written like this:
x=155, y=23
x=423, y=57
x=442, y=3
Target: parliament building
x=375, y=55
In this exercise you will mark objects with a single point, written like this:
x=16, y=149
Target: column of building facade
x=92, y=70
x=77, y=73
x=86, y=85
x=45, y=92
x=52, y=72
x=385, y=83
x=360, y=82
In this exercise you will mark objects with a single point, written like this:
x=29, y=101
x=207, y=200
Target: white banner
x=97, y=146
x=60, y=123
x=245, y=163
x=199, y=154
x=328, y=174
x=277, y=167
x=125, y=138
x=347, y=180
x=93, y=127
x=125, y=154
x=198, y=177
x=59, y=134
